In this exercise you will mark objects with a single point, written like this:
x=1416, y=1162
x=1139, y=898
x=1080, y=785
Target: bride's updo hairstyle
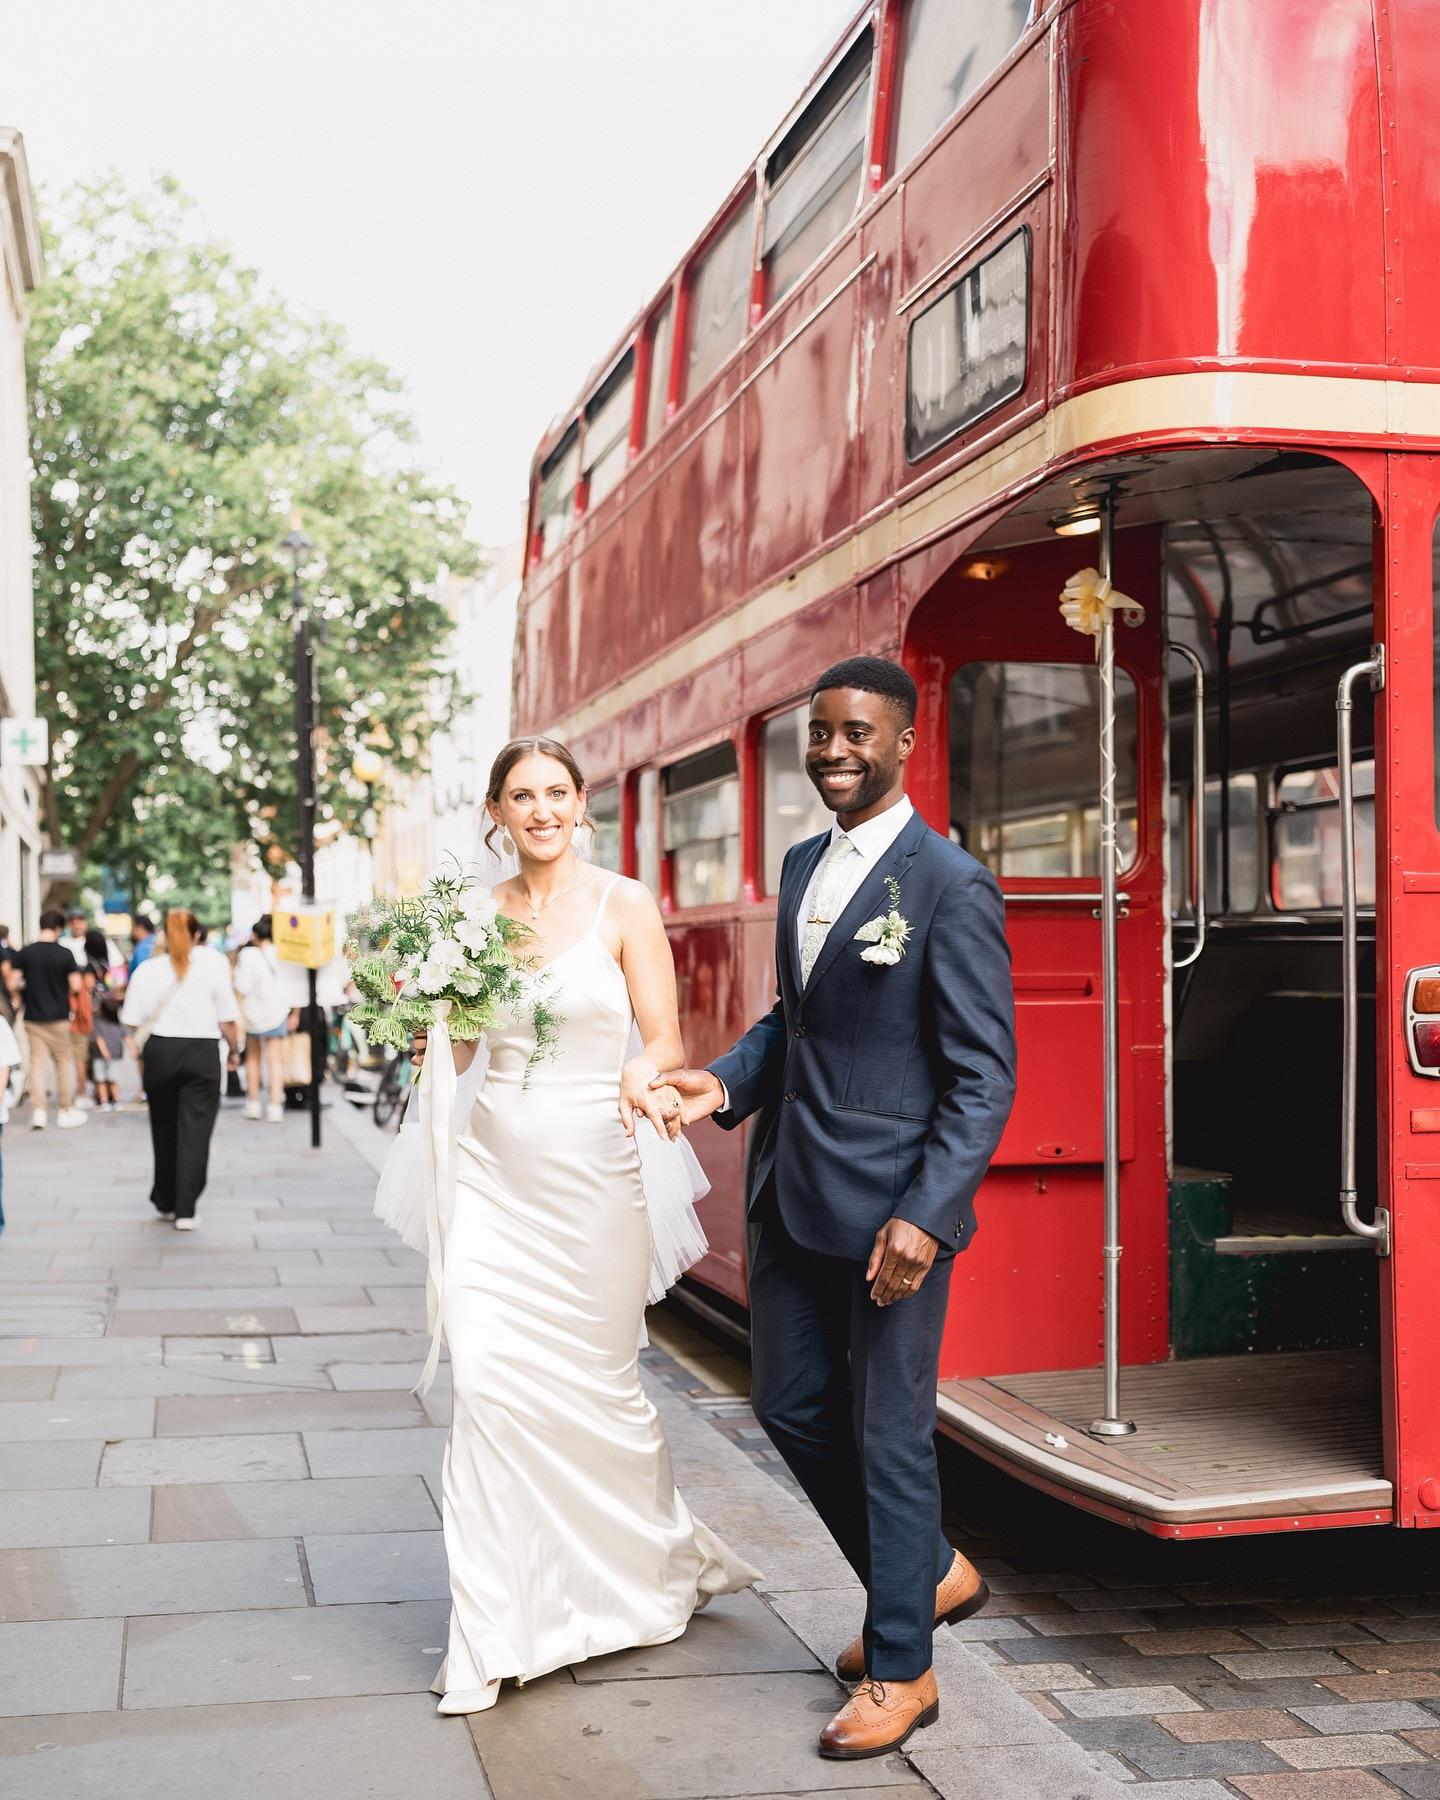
x=531, y=746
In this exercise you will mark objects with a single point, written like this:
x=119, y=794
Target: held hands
x=700, y=1093
x=645, y=1092
x=900, y=1261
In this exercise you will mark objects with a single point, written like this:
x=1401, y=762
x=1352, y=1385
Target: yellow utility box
x=305, y=935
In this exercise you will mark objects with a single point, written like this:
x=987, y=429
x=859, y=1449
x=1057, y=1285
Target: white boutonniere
x=886, y=934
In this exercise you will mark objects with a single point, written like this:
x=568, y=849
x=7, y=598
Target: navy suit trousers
x=846, y=1391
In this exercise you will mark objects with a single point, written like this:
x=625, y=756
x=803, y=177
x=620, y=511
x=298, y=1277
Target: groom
x=888, y=1064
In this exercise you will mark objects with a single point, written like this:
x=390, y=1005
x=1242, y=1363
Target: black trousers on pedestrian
x=182, y=1084
x=845, y=1390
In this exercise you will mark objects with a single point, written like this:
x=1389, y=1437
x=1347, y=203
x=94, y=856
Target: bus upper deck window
x=559, y=473
x=607, y=429
x=947, y=49
x=719, y=300
x=813, y=180
x=659, y=393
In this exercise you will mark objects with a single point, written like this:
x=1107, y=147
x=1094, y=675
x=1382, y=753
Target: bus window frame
x=1131, y=870
x=593, y=401
x=646, y=372
x=756, y=836
x=762, y=302
x=744, y=766
x=1304, y=766
x=984, y=254
x=682, y=395
x=1042, y=14
x=574, y=427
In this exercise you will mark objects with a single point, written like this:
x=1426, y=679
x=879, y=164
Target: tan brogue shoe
x=962, y=1593
x=880, y=1716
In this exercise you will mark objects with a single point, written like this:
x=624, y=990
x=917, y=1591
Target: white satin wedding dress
x=565, y=1533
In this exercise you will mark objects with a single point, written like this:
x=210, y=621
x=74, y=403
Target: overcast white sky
x=481, y=191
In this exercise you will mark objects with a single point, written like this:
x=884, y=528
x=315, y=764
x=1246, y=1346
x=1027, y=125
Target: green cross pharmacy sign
x=25, y=742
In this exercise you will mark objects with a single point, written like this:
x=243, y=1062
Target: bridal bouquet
x=449, y=954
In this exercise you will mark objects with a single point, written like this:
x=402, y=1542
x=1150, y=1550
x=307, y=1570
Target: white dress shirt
x=872, y=840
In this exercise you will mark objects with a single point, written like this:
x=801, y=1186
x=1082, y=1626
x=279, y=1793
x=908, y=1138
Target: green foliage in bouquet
x=450, y=943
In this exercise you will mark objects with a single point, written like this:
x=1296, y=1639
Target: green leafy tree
x=181, y=415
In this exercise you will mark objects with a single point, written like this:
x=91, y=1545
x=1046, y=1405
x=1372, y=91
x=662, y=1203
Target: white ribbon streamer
x=438, y=1083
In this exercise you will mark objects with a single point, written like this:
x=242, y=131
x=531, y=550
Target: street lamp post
x=304, y=673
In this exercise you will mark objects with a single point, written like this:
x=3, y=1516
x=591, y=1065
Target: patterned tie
x=823, y=902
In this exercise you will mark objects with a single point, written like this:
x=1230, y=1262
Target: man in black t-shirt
x=49, y=976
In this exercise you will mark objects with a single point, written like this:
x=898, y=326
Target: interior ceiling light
x=1079, y=521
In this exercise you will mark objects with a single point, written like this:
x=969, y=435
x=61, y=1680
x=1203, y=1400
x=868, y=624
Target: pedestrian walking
x=77, y=922
x=108, y=1043
x=178, y=1004
x=49, y=981
x=142, y=941
x=9, y=1063
x=267, y=1017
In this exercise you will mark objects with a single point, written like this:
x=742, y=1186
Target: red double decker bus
x=1007, y=275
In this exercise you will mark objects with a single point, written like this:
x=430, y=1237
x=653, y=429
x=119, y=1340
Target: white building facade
x=483, y=655
x=21, y=268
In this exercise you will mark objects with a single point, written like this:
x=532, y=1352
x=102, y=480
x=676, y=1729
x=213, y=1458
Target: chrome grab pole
x=1197, y=782
x=1111, y=1425
x=1379, y=1230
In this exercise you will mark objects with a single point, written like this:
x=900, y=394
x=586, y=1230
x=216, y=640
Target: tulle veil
x=405, y=1197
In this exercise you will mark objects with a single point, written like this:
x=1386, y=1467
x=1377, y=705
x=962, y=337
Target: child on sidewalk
x=109, y=1047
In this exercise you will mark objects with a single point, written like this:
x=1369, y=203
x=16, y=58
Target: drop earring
x=507, y=844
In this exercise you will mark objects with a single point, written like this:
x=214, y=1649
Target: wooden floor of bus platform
x=1225, y=1437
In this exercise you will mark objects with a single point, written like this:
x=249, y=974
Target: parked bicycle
x=394, y=1086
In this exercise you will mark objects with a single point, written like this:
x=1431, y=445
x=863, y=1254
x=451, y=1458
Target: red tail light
x=1422, y=1020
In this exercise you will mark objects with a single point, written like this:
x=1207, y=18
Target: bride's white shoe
x=469, y=1700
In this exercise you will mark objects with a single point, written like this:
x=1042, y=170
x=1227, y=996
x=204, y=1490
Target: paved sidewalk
x=221, y=1568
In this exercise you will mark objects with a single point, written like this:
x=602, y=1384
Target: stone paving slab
x=382, y=1748
x=101, y=1582
x=417, y=1450
x=737, y=1634
x=26, y=1383
x=121, y=1381
x=85, y=1353
x=681, y=1739
x=260, y=1509
x=260, y=1412
x=72, y=1516
x=58, y=1666
x=204, y=1321
x=346, y=1567
x=356, y=1347
x=40, y=1466
x=48, y=1421
x=148, y=1462
x=198, y=1659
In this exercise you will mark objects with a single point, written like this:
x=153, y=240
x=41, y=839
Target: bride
x=565, y=1534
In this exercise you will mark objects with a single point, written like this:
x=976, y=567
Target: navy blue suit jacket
x=890, y=1084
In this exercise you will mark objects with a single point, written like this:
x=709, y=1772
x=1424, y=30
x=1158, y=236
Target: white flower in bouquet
x=478, y=906
x=443, y=961
x=474, y=934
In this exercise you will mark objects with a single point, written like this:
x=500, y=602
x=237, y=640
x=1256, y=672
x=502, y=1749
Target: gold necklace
x=535, y=911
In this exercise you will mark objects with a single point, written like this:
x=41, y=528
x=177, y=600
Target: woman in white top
x=177, y=1005
x=268, y=1017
